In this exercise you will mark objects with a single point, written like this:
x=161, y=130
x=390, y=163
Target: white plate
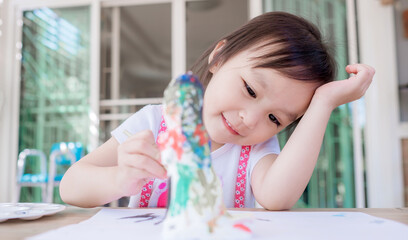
x=28, y=211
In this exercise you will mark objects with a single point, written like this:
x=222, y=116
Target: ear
x=214, y=53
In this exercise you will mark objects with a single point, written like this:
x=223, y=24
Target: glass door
x=55, y=83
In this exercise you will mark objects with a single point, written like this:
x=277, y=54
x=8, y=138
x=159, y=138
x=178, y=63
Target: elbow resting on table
x=68, y=196
x=65, y=194
x=277, y=206
x=68, y=199
x=280, y=203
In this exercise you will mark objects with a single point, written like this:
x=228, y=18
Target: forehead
x=257, y=53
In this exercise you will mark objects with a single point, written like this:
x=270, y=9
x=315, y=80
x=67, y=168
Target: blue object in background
x=76, y=148
x=62, y=156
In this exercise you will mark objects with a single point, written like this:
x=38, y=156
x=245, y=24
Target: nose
x=250, y=117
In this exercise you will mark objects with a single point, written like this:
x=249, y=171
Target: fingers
x=363, y=74
x=340, y=92
x=135, y=173
x=131, y=180
x=145, y=165
x=360, y=68
x=142, y=143
x=140, y=153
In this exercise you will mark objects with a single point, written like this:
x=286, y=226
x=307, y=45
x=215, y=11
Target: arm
x=279, y=181
x=112, y=171
x=88, y=182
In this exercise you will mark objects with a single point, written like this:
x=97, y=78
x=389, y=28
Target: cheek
x=211, y=98
x=269, y=134
x=207, y=110
x=262, y=134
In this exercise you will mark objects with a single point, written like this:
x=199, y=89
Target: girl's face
x=245, y=105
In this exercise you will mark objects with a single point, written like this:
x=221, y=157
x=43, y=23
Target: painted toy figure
x=196, y=209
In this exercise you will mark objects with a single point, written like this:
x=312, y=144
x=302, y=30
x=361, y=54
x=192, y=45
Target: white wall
x=8, y=143
x=3, y=168
x=383, y=151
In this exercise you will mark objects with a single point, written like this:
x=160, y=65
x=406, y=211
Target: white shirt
x=224, y=160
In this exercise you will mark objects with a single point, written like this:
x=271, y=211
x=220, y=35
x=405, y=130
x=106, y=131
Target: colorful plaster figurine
x=196, y=209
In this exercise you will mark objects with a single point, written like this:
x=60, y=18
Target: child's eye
x=250, y=91
x=274, y=119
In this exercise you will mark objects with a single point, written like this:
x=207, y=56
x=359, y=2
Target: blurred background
x=72, y=70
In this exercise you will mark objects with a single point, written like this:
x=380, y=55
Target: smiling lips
x=228, y=126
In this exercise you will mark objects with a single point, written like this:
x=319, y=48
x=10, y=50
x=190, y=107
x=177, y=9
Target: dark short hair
x=302, y=54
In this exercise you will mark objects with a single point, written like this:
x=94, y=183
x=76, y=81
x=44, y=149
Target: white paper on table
x=110, y=224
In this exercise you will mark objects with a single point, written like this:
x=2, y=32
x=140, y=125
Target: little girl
x=268, y=74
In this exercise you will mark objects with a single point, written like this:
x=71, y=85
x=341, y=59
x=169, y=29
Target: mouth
x=229, y=126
